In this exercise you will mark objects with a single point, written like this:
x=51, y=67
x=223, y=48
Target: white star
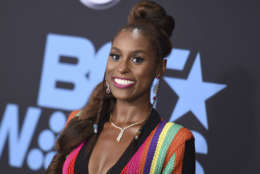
x=193, y=93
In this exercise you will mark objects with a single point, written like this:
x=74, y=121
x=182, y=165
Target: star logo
x=193, y=93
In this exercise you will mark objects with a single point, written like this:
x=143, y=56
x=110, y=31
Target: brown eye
x=137, y=60
x=115, y=57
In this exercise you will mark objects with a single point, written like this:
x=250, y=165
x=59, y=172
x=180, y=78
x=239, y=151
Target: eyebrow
x=115, y=48
x=135, y=52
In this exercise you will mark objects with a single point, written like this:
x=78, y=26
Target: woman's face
x=131, y=66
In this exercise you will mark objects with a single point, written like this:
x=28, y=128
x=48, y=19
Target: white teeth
x=123, y=82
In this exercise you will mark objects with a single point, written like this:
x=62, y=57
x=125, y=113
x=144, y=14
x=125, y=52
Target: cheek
x=109, y=69
x=145, y=76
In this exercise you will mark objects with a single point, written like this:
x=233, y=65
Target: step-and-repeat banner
x=53, y=53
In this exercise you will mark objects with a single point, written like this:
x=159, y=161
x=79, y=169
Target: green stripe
x=169, y=167
x=78, y=114
x=171, y=133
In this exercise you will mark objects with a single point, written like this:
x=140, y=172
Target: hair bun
x=149, y=11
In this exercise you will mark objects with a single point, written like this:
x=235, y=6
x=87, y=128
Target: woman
x=118, y=131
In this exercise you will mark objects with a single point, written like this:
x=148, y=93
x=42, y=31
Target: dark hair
x=153, y=21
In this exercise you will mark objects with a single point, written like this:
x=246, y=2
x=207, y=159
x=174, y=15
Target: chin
x=123, y=97
x=128, y=97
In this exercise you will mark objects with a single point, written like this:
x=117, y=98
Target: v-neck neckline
x=150, y=124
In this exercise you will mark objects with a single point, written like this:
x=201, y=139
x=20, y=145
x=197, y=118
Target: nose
x=123, y=66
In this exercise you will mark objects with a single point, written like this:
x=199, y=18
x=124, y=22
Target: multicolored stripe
x=160, y=152
x=152, y=157
x=73, y=114
x=165, y=139
x=152, y=147
x=68, y=166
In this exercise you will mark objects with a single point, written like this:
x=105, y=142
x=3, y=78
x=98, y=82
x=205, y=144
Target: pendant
x=120, y=135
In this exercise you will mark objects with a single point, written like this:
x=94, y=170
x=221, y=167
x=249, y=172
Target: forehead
x=130, y=40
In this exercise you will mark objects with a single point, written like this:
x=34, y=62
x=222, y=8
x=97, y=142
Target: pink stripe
x=139, y=157
x=134, y=163
x=67, y=163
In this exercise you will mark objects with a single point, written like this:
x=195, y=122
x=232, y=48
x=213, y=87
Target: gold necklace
x=122, y=130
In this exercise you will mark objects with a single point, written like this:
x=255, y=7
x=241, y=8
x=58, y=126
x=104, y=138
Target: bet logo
x=42, y=156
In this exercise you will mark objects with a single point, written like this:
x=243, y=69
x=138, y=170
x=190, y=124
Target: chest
x=108, y=151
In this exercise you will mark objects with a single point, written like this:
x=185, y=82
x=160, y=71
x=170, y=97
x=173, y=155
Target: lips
x=122, y=82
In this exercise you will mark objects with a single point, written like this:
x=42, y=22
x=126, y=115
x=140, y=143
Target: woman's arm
x=188, y=162
x=181, y=156
x=71, y=116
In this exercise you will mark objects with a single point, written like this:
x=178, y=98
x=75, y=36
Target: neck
x=126, y=112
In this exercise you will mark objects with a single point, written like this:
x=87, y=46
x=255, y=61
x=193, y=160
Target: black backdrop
x=210, y=85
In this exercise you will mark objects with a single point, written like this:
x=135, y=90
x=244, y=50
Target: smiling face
x=131, y=66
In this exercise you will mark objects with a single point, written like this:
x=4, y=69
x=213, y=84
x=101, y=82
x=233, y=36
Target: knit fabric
x=161, y=152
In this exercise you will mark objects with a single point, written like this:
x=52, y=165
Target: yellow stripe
x=159, y=145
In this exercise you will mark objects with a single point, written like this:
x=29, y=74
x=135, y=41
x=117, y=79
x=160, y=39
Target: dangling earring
x=155, y=91
x=108, y=91
x=95, y=128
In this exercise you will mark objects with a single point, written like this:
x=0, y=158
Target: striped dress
x=163, y=151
